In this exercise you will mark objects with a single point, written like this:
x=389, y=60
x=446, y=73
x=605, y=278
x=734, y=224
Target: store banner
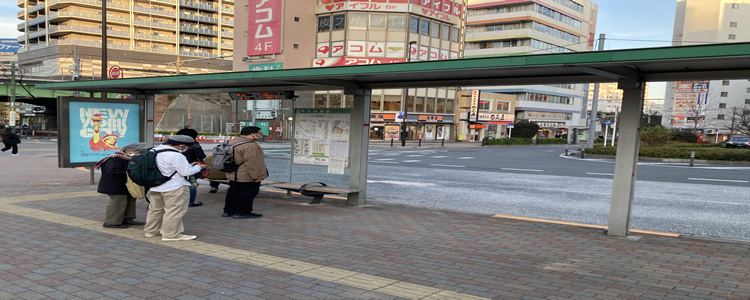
x=337, y=49
x=356, y=48
x=474, y=108
x=444, y=54
x=9, y=46
x=428, y=10
x=362, y=6
x=264, y=27
x=395, y=49
x=434, y=53
x=354, y=61
x=375, y=49
x=424, y=52
x=457, y=9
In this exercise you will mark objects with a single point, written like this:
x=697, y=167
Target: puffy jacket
x=114, y=177
x=12, y=139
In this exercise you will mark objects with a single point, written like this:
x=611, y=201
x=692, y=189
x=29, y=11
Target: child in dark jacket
x=11, y=140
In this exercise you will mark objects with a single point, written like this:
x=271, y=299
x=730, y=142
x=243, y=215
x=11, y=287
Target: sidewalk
x=52, y=246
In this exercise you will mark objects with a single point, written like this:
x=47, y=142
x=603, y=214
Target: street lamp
x=403, y=99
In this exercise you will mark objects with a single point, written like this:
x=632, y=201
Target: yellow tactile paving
x=348, y=278
x=585, y=225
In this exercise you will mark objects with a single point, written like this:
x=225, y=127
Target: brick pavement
x=53, y=246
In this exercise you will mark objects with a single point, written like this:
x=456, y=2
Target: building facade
x=704, y=106
x=144, y=37
x=511, y=27
x=494, y=115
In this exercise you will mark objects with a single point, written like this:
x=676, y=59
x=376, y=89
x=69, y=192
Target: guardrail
x=198, y=43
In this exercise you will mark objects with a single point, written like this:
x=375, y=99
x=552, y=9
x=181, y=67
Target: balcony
x=21, y=15
x=227, y=46
x=93, y=3
x=37, y=47
x=22, y=38
x=37, y=34
x=198, y=54
x=227, y=22
x=198, y=30
x=199, y=18
x=227, y=10
x=154, y=50
x=77, y=14
x=22, y=27
x=170, y=39
x=227, y=33
x=20, y=3
x=98, y=31
x=38, y=20
x=87, y=43
x=199, y=43
x=166, y=1
x=198, y=5
x=154, y=11
x=153, y=24
x=36, y=7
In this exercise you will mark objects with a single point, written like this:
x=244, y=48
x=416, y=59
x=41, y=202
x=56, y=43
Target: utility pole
x=594, y=104
x=12, y=111
x=104, y=46
x=404, y=96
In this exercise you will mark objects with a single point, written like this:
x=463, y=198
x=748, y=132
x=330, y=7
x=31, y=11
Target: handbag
x=135, y=190
x=205, y=172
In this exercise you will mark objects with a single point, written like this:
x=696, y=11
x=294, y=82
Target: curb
x=669, y=160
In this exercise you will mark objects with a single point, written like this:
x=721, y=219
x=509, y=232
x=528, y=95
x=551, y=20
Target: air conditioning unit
x=710, y=131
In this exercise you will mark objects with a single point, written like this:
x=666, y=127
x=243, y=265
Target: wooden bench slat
x=314, y=188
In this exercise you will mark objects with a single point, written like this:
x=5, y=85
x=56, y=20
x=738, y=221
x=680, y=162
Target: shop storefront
x=430, y=127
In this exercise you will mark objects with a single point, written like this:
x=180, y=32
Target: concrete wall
x=176, y=114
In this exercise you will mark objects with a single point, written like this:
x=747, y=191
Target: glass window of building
x=349, y=101
x=424, y=27
x=358, y=20
x=444, y=35
x=419, y=104
x=375, y=103
x=321, y=101
x=454, y=34
x=335, y=100
x=484, y=104
x=377, y=21
x=430, y=105
x=414, y=25
x=435, y=30
x=410, y=103
x=503, y=106
x=396, y=22
x=392, y=103
x=449, y=106
x=722, y=105
x=324, y=23
x=733, y=24
x=339, y=21
x=440, y=106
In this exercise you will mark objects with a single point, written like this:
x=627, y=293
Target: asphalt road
x=536, y=182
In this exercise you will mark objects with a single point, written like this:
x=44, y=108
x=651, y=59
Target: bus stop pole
x=359, y=143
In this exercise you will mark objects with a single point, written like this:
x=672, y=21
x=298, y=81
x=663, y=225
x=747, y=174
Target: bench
x=317, y=190
x=262, y=183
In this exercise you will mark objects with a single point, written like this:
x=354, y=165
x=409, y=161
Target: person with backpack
x=193, y=154
x=120, y=212
x=244, y=182
x=169, y=200
x=11, y=140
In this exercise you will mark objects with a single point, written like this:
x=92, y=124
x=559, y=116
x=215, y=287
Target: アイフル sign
x=264, y=27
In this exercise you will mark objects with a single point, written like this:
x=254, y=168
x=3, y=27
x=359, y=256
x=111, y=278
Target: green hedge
x=509, y=141
x=551, y=141
x=683, y=152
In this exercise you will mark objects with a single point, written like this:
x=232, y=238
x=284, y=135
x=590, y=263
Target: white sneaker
x=152, y=234
x=183, y=237
x=15, y=154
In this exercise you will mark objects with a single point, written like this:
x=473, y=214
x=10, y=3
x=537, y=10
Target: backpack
x=223, y=157
x=144, y=171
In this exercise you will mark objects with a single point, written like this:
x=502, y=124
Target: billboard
x=92, y=129
x=689, y=96
x=9, y=46
x=264, y=27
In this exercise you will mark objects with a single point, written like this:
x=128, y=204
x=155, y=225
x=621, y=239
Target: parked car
x=738, y=141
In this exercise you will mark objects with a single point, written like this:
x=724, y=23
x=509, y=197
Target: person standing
x=244, y=183
x=169, y=201
x=193, y=154
x=11, y=140
x=120, y=212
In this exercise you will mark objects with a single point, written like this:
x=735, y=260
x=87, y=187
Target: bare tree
x=741, y=117
x=701, y=114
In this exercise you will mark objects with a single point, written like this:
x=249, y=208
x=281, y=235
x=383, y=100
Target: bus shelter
x=631, y=69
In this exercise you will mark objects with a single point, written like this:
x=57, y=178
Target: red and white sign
x=424, y=52
x=444, y=54
x=395, y=49
x=354, y=61
x=328, y=50
x=375, y=49
x=438, y=14
x=457, y=8
x=361, y=6
x=356, y=48
x=337, y=49
x=447, y=6
x=434, y=53
x=264, y=27
x=414, y=49
x=115, y=72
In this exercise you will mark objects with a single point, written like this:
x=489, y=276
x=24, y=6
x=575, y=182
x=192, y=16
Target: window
x=414, y=25
x=397, y=22
x=722, y=105
x=358, y=21
x=720, y=117
x=419, y=104
x=377, y=21
x=321, y=101
x=735, y=6
x=724, y=94
x=246, y=7
x=296, y=46
x=747, y=90
x=449, y=106
x=335, y=100
x=324, y=23
x=445, y=33
x=503, y=106
x=245, y=33
x=430, y=105
x=435, y=30
x=440, y=106
x=410, y=103
x=424, y=27
x=484, y=104
x=392, y=103
x=375, y=103
x=454, y=34
x=733, y=24
x=732, y=36
x=725, y=82
x=296, y=19
x=339, y=21
x=747, y=101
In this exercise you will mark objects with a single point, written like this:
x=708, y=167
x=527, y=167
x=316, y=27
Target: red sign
x=264, y=27
x=115, y=72
x=354, y=61
x=477, y=126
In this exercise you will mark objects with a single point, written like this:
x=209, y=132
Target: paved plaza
x=53, y=246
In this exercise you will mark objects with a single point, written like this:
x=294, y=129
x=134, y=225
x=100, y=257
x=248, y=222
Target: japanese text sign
x=264, y=27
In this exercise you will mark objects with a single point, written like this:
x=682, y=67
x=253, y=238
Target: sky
x=619, y=20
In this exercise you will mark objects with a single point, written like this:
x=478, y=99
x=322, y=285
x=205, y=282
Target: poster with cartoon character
x=98, y=129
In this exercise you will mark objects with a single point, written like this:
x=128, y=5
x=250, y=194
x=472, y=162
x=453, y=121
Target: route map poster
x=322, y=136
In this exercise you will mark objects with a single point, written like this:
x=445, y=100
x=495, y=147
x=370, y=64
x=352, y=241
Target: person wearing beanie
x=169, y=201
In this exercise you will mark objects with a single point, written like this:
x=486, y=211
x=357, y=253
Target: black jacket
x=114, y=177
x=194, y=153
x=12, y=139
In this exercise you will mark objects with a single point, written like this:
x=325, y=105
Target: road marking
x=466, y=157
x=720, y=180
x=584, y=225
x=415, y=155
x=384, y=159
x=530, y=170
x=455, y=166
x=603, y=174
x=415, y=160
x=401, y=183
x=439, y=156
x=384, y=162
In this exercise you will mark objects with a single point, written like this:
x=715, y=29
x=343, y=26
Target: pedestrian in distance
x=169, y=201
x=11, y=141
x=120, y=212
x=244, y=183
x=193, y=154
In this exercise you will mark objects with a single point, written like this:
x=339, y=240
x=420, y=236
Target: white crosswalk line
x=466, y=157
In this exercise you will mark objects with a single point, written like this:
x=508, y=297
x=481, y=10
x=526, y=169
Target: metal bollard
x=692, y=157
x=566, y=150
x=582, y=151
x=420, y=142
x=391, y=142
x=443, y=144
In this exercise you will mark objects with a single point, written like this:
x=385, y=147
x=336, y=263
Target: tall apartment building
x=331, y=33
x=609, y=99
x=520, y=27
x=144, y=37
x=690, y=105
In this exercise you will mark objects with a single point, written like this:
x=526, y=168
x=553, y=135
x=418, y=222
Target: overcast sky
x=620, y=20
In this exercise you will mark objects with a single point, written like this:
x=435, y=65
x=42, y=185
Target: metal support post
x=692, y=158
x=359, y=143
x=391, y=142
x=594, y=105
x=91, y=175
x=12, y=110
x=104, y=45
x=626, y=163
x=420, y=142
